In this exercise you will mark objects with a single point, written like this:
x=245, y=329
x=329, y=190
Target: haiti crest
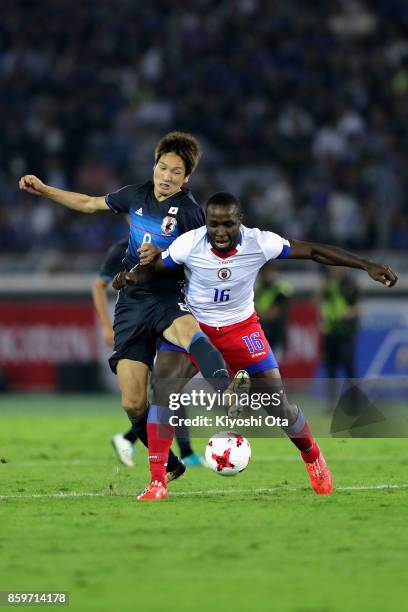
x=224, y=273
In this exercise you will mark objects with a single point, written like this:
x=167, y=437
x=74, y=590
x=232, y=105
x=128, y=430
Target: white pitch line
x=258, y=458
x=36, y=462
x=62, y=495
x=73, y=494
x=373, y=487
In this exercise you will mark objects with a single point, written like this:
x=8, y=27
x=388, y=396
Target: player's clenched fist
x=32, y=184
x=383, y=274
x=119, y=280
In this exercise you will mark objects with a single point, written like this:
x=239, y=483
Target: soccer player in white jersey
x=221, y=261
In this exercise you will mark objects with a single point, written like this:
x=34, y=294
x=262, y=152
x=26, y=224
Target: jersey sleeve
x=179, y=250
x=112, y=264
x=273, y=246
x=193, y=217
x=120, y=201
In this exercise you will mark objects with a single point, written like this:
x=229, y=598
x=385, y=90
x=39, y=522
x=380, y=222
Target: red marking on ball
x=223, y=461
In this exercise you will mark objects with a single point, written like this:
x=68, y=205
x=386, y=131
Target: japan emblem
x=168, y=224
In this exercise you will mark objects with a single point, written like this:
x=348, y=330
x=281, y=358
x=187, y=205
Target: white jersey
x=220, y=290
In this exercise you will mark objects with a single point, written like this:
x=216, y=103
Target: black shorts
x=140, y=319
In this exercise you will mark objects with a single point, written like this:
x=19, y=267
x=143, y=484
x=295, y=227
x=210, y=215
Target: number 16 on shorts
x=254, y=342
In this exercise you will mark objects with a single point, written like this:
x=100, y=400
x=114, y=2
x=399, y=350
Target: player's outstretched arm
x=334, y=256
x=75, y=201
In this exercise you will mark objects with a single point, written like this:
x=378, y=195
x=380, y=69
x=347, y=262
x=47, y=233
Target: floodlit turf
x=261, y=541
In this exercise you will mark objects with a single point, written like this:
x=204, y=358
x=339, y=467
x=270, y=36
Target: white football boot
x=124, y=449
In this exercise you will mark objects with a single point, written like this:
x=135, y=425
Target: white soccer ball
x=228, y=453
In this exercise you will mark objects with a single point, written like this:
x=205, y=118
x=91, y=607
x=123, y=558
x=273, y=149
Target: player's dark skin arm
x=151, y=267
x=320, y=253
x=334, y=256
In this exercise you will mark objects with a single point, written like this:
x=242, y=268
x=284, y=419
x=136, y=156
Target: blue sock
x=138, y=428
x=183, y=435
x=210, y=361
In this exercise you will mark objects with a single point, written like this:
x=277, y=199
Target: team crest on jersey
x=224, y=273
x=168, y=224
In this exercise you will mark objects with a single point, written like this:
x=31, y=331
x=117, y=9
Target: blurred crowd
x=300, y=107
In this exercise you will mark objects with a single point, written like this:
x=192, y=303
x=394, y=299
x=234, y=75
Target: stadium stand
x=302, y=112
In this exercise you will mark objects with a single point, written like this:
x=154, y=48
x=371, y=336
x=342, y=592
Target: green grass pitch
x=261, y=541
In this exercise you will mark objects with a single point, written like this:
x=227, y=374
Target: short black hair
x=223, y=198
x=184, y=145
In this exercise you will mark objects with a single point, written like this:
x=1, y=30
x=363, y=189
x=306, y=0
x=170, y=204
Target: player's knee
x=135, y=407
x=183, y=330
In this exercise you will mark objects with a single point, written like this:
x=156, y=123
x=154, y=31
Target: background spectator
x=339, y=310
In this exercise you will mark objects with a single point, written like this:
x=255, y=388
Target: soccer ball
x=228, y=453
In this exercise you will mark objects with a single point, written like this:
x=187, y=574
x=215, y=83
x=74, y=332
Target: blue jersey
x=151, y=220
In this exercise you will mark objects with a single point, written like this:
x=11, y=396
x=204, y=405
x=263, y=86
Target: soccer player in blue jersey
x=160, y=210
x=123, y=443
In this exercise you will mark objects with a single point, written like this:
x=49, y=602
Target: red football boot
x=155, y=491
x=319, y=474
